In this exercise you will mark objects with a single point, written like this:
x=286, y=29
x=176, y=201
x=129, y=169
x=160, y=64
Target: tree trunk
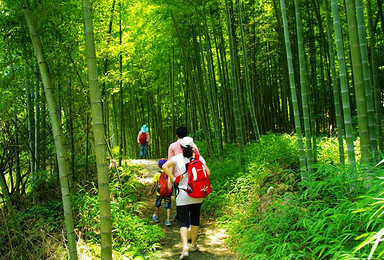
x=366, y=76
x=56, y=128
x=293, y=94
x=121, y=94
x=17, y=153
x=362, y=115
x=336, y=87
x=304, y=88
x=375, y=78
x=343, y=84
x=212, y=93
x=251, y=106
x=30, y=119
x=235, y=88
x=99, y=135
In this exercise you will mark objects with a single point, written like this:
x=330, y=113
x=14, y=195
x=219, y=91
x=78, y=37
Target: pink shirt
x=175, y=148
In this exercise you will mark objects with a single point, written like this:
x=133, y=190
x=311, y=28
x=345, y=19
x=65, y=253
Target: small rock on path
x=210, y=240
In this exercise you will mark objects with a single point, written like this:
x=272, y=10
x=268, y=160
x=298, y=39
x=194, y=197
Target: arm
x=148, y=139
x=168, y=168
x=207, y=170
x=138, y=135
x=152, y=189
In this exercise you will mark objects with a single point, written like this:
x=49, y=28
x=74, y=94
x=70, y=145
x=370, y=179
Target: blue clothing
x=167, y=202
x=143, y=150
x=144, y=129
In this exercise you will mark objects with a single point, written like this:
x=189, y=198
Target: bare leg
x=194, y=232
x=157, y=212
x=168, y=214
x=184, y=237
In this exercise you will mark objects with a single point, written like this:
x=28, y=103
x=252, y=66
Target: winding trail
x=211, y=237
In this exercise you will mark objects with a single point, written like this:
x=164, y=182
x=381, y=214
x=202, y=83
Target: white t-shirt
x=183, y=198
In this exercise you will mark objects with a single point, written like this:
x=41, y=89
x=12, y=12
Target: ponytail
x=187, y=152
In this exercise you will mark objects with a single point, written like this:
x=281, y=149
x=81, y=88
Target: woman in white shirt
x=187, y=207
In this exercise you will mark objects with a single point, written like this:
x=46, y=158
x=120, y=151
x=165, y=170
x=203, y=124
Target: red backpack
x=162, y=186
x=198, y=179
x=143, y=138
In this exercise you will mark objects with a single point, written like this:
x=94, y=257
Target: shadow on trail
x=210, y=239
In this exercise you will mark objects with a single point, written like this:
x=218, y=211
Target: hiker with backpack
x=163, y=186
x=193, y=184
x=144, y=141
x=175, y=148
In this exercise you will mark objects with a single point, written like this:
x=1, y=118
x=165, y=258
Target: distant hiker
x=175, y=148
x=144, y=141
x=163, y=186
x=187, y=207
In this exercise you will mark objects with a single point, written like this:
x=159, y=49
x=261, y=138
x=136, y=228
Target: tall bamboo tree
x=30, y=130
x=212, y=92
x=362, y=115
x=235, y=87
x=366, y=75
x=343, y=84
x=293, y=93
x=121, y=90
x=375, y=77
x=304, y=88
x=198, y=74
x=56, y=127
x=251, y=106
x=335, y=86
x=99, y=134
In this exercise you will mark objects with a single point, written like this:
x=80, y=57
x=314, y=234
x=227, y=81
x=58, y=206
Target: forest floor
x=210, y=239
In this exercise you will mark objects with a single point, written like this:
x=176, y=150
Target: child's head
x=161, y=162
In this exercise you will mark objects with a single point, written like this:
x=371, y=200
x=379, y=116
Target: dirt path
x=211, y=238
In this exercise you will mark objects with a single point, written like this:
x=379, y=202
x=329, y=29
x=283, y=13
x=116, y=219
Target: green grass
x=320, y=219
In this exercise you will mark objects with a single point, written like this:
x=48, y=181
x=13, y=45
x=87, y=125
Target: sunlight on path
x=211, y=238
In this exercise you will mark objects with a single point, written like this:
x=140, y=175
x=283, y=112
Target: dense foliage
x=271, y=214
x=42, y=222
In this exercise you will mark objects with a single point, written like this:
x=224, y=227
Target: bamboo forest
x=282, y=101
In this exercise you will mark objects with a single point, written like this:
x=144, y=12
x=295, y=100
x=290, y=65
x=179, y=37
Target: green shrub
x=328, y=150
x=271, y=214
x=315, y=222
x=132, y=236
x=278, y=149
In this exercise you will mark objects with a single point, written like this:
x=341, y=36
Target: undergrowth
x=43, y=222
x=270, y=213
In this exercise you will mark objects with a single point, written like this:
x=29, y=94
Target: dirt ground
x=210, y=240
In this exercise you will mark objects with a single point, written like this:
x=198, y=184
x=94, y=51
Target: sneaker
x=194, y=248
x=184, y=254
x=155, y=218
x=176, y=217
x=167, y=223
